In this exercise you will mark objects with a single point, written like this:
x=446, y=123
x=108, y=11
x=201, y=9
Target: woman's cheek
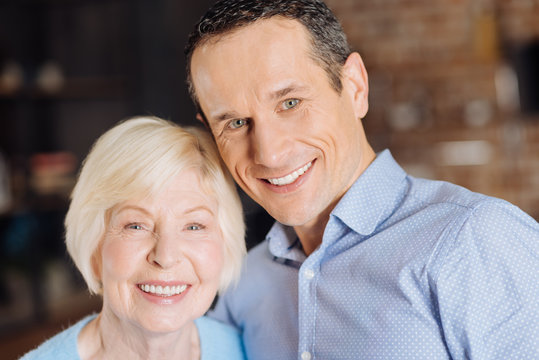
x=118, y=259
x=210, y=258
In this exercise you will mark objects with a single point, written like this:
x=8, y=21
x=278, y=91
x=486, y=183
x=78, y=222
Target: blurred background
x=454, y=95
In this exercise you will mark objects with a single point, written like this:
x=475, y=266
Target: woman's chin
x=163, y=326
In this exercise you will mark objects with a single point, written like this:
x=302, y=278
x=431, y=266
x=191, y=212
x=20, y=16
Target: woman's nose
x=166, y=251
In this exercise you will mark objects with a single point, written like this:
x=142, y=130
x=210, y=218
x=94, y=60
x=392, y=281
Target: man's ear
x=357, y=83
x=200, y=117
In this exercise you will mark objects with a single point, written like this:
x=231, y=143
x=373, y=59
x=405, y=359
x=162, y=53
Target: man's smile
x=290, y=178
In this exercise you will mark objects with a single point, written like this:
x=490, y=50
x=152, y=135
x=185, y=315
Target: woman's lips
x=164, y=291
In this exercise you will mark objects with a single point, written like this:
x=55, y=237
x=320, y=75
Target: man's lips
x=290, y=178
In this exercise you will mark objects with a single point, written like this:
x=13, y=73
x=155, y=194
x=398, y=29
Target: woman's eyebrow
x=199, y=208
x=132, y=207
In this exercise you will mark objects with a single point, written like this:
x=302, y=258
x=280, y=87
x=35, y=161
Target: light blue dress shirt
x=408, y=269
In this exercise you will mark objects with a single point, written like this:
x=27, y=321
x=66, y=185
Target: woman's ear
x=355, y=76
x=97, y=264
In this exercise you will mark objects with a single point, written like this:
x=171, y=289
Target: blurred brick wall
x=443, y=90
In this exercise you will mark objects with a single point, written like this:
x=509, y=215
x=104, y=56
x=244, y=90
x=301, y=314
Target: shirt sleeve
x=488, y=288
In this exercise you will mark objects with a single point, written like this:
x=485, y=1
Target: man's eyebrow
x=227, y=115
x=278, y=94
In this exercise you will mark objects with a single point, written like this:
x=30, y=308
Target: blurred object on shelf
x=50, y=78
x=507, y=93
x=11, y=78
x=405, y=116
x=486, y=37
x=53, y=173
x=465, y=153
x=478, y=113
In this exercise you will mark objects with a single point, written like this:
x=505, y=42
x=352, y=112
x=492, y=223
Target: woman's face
x=161, y=258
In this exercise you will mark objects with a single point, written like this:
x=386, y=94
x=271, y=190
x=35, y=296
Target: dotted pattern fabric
x=408, y=269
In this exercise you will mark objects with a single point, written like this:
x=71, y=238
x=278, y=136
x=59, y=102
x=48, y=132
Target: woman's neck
x=107, y=337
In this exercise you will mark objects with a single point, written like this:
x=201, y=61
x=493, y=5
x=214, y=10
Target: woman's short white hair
x=140, y=156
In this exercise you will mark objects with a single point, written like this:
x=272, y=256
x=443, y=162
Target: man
x=364, y=261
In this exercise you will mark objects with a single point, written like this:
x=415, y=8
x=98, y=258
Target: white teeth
x=290, y=178
x=164, y=291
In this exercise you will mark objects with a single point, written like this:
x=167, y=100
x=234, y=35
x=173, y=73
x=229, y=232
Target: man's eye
x=237, y=123
x=290, y=103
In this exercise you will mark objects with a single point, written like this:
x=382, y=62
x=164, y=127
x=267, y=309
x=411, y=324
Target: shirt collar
x=374, y=195
x=284, y=243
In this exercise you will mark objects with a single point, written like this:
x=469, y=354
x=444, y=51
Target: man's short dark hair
x=329, y=46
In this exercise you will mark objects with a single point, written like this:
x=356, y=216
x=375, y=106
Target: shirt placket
x=308, y=277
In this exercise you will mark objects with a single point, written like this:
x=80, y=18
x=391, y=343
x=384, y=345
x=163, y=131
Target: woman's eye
x=237, y=123
x=194, y=227
x=290, y=103
x=135, y=227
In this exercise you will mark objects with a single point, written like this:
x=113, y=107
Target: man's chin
x=290, y=217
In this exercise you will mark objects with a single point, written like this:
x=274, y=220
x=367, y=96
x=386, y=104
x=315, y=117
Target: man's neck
x=310, y=235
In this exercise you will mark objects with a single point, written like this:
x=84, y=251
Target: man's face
x=290, y=140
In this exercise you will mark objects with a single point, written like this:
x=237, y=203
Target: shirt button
x=309, y=274
x=306, y=355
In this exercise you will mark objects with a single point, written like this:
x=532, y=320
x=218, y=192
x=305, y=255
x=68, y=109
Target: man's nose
x=270, y=142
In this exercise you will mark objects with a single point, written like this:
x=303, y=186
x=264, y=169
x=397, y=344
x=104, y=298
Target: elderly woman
x=155, y=226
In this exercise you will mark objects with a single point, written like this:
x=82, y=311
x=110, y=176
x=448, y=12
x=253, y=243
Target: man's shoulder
x=258, y=251
x=435, y=192
x=472, y=205
x=468, y=223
